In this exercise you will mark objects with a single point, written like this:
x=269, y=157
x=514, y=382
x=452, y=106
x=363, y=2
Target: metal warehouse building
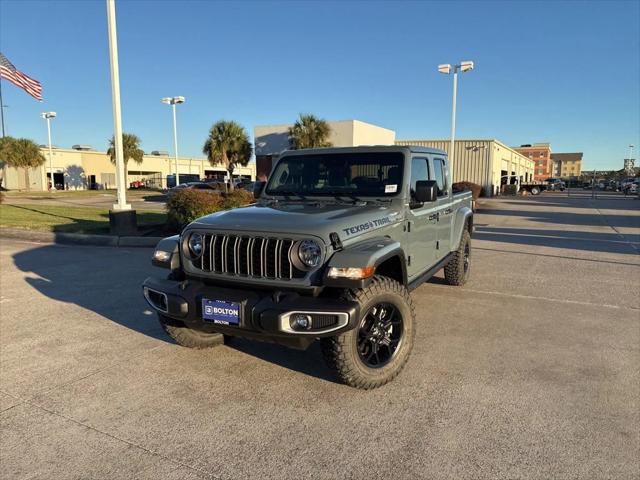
x=489, y=163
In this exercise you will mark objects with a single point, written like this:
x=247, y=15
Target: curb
x=79, y=238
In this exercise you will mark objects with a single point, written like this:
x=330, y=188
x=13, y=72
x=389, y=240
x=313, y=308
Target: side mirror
x=257, y=189
x=426, y=191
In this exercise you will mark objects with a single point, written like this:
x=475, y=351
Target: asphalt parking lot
x=532, y=370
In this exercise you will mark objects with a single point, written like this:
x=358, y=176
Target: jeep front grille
x=248, y=256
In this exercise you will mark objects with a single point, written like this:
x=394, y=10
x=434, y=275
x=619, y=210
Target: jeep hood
x=319, y=220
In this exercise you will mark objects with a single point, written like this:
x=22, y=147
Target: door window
x=440, y=176
x=419, y=171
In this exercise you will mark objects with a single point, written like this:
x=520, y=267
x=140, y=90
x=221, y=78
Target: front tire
x=456, y=271
x=375, y=352
x=187, y=337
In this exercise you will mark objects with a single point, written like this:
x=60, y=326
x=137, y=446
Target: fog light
x=300, y=322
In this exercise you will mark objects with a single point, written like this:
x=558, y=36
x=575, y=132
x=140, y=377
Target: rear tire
x=187, y=337
x=535, y=191
x=376, y=351
x=456, y=271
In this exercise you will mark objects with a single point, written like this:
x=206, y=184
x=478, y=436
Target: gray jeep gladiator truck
x=336, y=240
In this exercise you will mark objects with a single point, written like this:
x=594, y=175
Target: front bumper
x=263, y=315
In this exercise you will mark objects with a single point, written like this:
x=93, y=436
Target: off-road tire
x=455, y=272
x=341, y=352
x=188, y=337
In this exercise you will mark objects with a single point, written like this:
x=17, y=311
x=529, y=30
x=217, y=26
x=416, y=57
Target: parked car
x=556, y=184
x=336, y=242
x=631, y=188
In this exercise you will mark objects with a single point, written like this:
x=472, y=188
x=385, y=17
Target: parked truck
x=330, y=251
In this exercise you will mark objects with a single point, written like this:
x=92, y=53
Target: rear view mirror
x=426, y=191
x=257, y=189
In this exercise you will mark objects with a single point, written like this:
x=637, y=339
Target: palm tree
x=130, y=151
x=309, y=131
x=21, y=153
x=228, y=144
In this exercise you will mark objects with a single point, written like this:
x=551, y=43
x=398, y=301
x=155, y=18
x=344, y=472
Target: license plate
x=220, y=311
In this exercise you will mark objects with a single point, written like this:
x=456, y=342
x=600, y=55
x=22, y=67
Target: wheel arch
x=383, y=253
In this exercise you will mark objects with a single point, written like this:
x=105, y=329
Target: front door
x=444, y=211
x=421, y=224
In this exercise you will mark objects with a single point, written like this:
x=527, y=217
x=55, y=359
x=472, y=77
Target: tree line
x=227, y=144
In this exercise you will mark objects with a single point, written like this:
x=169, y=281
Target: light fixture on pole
x=48, y=116
x=173, y=101
x=447, y=69
x=117, y=114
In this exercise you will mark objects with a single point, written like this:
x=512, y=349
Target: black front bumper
x=261, y=312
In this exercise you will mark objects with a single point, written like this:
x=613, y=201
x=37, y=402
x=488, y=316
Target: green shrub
x=186, y=205
x=509, y=189
x=474, y=188
x=237, y=198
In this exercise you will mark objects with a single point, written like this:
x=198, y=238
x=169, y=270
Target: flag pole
x=1, y=109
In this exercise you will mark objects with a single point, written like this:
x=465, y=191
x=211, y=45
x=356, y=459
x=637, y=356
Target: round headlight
x=195, y=244
x=309, y=253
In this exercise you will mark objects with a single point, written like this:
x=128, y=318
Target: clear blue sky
x=565, y=73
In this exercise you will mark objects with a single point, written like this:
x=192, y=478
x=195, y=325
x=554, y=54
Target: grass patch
x=50, y=218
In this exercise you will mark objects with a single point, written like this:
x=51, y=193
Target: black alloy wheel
x=379, y=335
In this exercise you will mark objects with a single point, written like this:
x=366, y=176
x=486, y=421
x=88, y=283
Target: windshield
x=375, y=174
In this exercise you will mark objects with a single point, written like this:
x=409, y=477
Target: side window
x=439, y=176
x=419, y=171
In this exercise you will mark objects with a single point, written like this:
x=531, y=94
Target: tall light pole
x=117, y=114
x=630, y=158
x=48, y=116
x=173, y=101
x=447, y=69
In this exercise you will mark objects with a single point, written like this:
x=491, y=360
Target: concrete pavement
x=529, y=371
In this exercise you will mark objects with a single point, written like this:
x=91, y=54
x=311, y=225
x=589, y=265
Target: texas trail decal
x=370, y=225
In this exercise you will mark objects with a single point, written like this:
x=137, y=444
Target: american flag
x=19, y=79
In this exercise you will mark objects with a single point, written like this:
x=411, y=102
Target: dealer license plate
x=219, y=311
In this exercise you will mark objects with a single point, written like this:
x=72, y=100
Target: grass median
x=50, y=218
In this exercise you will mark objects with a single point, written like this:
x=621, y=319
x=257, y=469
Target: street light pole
x=117, y=114
x=446, y=68
x=48, y=116
x=173, y=101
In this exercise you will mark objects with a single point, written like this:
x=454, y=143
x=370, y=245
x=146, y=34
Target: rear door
x=444, y=211
x=421, y=223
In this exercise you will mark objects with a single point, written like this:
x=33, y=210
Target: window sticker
x=391, y=188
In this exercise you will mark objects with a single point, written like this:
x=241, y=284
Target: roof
x=367, y=148
x=567, y=156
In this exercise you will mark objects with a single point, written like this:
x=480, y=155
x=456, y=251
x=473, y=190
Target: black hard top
x=366, y=148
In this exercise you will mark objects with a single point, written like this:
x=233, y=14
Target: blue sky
x=561, y=72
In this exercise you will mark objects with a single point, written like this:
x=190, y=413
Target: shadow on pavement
x=308, y=362
x=103, y=280
x=108, y=281
x=587, y=241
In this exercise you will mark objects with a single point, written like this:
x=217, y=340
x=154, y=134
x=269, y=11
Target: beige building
x=81, y=168
x=567, y=165
x=272, y=140
x=487, y=162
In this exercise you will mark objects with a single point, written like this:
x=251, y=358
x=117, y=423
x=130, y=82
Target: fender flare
x=369, y=252
x=464, y=219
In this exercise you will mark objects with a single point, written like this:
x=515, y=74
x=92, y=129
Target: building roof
x=567, y=156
